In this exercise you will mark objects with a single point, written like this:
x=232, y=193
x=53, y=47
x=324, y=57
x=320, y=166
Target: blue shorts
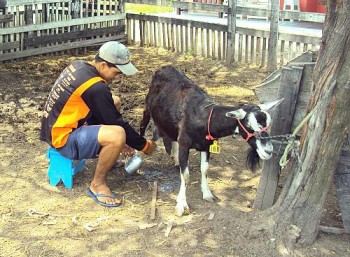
x=82, y=143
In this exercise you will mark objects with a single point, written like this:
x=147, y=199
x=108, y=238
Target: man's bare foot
x=104, y=194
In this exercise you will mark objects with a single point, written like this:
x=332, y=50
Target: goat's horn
x=238, y=114
x=269, y=105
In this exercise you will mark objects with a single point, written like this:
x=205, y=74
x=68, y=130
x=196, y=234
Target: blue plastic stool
x=62, y=168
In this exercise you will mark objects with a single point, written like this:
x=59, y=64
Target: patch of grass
x=145, y=8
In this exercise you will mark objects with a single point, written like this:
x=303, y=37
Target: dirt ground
x=37, y=219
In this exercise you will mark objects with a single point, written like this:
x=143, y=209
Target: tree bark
x=295, y=218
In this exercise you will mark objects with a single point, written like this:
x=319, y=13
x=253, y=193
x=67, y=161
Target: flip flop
x=95, y=197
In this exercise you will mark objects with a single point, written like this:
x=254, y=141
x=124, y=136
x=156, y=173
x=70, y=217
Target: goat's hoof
x=210, y=199
x=187, y=211
x=179, y=212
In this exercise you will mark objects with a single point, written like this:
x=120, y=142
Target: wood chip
x=90, y=226
x=34, y=212
x=74, y=220
x=154, y=201
x=49, y=222
x=149, y=225
x=170, y=225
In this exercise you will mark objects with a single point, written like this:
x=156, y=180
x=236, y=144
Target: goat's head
x=253, y=123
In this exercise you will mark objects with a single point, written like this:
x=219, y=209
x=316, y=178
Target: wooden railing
x=46, y=26
x=210, y=40
x=241, y=9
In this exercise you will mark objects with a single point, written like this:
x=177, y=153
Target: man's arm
x=100, y=102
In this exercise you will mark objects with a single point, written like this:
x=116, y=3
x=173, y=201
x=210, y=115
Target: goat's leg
x=167, y=144
x=207, y=195
x=181, y=205
x=145, y=120
x=175, y=152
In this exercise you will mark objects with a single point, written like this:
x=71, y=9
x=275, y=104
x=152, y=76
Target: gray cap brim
x=128, y=69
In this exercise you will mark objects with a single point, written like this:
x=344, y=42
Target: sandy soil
x=37, y=219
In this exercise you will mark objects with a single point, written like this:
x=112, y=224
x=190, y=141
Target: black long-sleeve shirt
x=79, y=95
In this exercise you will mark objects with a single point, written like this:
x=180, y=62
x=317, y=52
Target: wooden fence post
x=281, y=124
x=273, y=39
x=231, y=31
x=342, y=182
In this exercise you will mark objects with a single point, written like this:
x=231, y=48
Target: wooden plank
x=177, y=37
x=231, y=32
x=219, y=46
x=252, y=49
x=173, y=36
x=342, y=181
x=168, y=26
x=306, y=57
x=6, y=18
x=154, y=200
x=243, y=10
x=268, y=90
x=273, y=37
x=304, y=94
x=73, y=35
x=195, y=41
x=224, y=37
x=208, y=42
x=202, y=42
x=264, y=52
x=164, y=35
x=188, y=30
x=177, y=21
x=60, y=24
x=24, y=2
x=142, y=33
x=282, y=53
x=281, y=124
x=129, y=34
x=258, y=51
x=213, y=45
x=61, y=47
x=332, y=230
x=9, y=45
x=156, y=34
x=240, y=47
x=246, y=49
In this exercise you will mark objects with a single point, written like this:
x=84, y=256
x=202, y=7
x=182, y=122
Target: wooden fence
x=44, y=26
x=293, y=82
x=210, y=40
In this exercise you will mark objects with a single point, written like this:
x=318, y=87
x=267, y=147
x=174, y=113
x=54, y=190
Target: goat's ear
x=237, y=114
x=269, y=105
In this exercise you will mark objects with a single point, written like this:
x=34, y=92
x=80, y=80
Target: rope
x=291, y=140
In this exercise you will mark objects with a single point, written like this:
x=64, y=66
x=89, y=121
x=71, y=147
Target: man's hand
x=150, y=147
x=127, y=151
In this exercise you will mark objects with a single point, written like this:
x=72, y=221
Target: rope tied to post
x=292, y=142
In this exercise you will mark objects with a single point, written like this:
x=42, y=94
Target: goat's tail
x=252, y=159
x=145, y=120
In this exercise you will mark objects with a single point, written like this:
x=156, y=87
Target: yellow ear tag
x=214, y=148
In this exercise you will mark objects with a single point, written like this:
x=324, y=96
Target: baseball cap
x=118, y=54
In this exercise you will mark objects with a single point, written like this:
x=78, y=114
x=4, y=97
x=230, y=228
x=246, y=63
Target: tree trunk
x=295, y=217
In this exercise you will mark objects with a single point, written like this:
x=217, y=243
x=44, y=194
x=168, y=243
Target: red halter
x=250, y=135
x=209, y=136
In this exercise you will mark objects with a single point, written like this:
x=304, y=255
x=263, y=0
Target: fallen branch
x=154, y=201
x=332, y=230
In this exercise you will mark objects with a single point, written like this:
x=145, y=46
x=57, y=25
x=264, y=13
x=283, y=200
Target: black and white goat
x=186, y=115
